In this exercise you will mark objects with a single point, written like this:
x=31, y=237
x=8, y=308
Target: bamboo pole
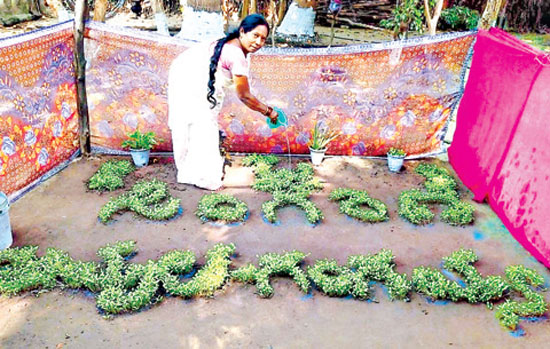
x=81, y=13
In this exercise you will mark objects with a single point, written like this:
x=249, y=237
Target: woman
x=193, y=110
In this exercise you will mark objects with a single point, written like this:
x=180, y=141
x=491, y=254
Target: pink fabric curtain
x=501, y=148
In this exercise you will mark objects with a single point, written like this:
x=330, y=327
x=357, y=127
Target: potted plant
x=395, y=159
x=140, y=145
x=320, y=138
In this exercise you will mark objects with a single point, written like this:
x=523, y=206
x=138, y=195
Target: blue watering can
x=281, y=119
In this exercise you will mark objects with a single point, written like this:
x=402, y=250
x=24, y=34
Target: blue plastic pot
x=6, y=238
x=140, y=157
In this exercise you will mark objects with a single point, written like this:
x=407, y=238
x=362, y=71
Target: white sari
x=194, y=125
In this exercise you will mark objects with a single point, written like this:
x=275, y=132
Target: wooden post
x=81, y=13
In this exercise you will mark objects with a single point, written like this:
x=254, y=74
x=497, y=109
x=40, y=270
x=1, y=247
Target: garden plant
x=441, y=188
x=289, y=187
x=121, y=286
x=110, y=175
x=351, y=202
x=141, y=141
x=221, y=207
x=148, y=198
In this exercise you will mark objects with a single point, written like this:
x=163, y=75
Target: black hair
x=248, y=24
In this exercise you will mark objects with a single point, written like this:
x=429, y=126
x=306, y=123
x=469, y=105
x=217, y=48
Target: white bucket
x=5, y=227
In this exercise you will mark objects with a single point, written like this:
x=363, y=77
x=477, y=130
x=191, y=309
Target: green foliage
x=122, y=286
x=332, y=279
x=110, y=175
x=521, y=278
x=396, y=153
x=459, y=18
x=247, y=274
x=351, y=200
x=274, y=264
x=381, y=268
x=209, y=278
x=21, y=271
x=224, y=207
x=289, y=187
x=435, y=285
x=407, y=16
x=257, y=159
x=140, y=141
x=321, y=137
x=281, y=199
x=149, y=198
x=441, y=189
x=479, y=289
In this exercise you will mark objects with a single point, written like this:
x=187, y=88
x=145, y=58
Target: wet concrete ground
x=63, y=214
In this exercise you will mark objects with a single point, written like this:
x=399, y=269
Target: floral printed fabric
x=38, y=122
x=399, y=94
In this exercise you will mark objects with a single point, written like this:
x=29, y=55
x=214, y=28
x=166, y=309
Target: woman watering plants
x=195, y=94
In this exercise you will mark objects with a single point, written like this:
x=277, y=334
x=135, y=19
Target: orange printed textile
x=38, y=121
x=396, y=94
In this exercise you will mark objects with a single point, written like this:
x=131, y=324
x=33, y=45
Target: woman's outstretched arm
x=243, y=91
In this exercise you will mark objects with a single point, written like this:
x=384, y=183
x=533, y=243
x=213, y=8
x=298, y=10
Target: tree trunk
x=253, y=6
x=81, y=13
x=245, y=9
x=432, y=19
x=490, y=14
x=100, y=10
x=281, y=11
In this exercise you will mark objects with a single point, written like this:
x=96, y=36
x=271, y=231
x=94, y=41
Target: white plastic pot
x=317, y=155
x=140, y=157
x=395, y=163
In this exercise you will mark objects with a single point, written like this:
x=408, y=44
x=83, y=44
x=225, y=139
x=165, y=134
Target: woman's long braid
x=214, y=66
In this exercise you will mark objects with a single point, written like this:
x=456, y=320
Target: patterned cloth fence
x=397, y=94
x=38, y=120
